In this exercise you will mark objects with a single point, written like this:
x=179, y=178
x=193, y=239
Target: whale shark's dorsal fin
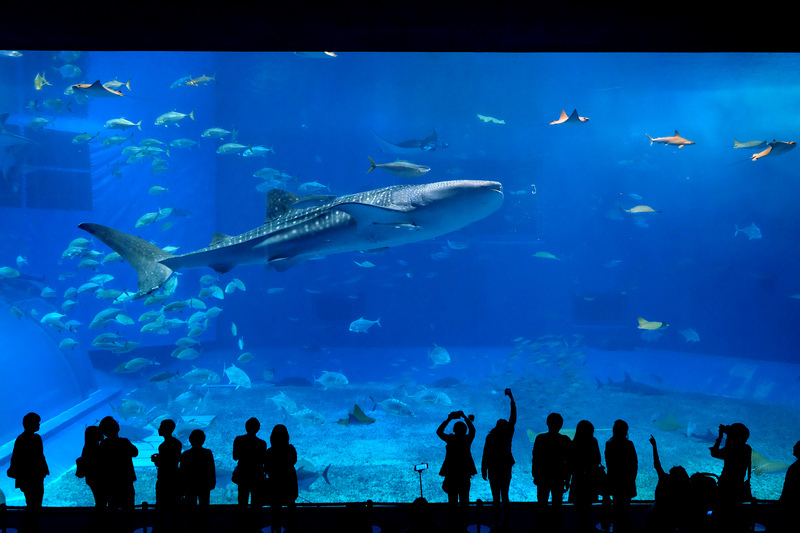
x=279, y=202
x=217, y=238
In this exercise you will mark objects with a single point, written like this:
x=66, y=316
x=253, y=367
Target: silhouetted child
x=789, y=501
x=90, y=464
x=198, y=477
x=421, y=517
x=279, y=466
x=588, y=476
x=622, y=465
x=28, y=466
x=116, y=472
x=497, y=461
x=250, y=452
x=458, y=466
x=734, y=481
x=167, y=460
x=668, y=512
x=550, y=470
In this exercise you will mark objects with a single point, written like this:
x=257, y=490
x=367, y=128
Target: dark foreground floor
x=316, y=518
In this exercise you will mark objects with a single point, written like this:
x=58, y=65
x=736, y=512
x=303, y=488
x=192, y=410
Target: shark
x=8, y=139
x=675, y=140
x=628, y=385
x=298, y=229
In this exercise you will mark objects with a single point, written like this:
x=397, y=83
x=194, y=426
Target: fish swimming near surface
x=317, y=227
x=629, y=385
x=752, y=231
x=402, y=169
x=675, y=140
x=96, y=90
x=571, y=119
x=750, y=144
x=775, y=148
x=650, y=325
x=428, y=144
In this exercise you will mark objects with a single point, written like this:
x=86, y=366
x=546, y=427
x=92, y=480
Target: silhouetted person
x=197, y=475
x=668, y=512
x=588, y=476
x=250, y=452
x=622, y=465
x=421, y=517
x=91, y=464
x=167, y=460
x=28, y=467
x=734, y=481
x=279, y=466
x=498, y=460
x=789, y=502
x=550, y=470
x=117, y=474
x=458, y=466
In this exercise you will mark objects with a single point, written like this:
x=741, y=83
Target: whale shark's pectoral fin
x=282, y=264
x=217, y=238
x=222, y=268
x=365, y=214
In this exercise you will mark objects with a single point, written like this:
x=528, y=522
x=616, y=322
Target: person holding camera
x=458, y=466
x=497, y=462
x=733, y=486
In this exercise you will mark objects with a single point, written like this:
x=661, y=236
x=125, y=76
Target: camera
x=420, y=467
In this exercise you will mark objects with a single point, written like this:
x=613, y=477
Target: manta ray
x=775, y=148
x=298, y=229
x=675, y=140
x=96, y=89
x=427, y=144
x=572, y=119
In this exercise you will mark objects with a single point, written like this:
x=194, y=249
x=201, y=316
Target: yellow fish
x=668, y=423
x=641, y=209
x=652, y=326
x=40, y=82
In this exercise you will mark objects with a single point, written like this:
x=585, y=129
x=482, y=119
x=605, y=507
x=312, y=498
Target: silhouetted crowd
x=266, y=476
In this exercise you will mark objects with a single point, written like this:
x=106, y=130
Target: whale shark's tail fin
x=143, y=256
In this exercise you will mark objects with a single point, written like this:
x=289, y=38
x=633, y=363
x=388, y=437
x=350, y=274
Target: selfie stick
x=420, y=471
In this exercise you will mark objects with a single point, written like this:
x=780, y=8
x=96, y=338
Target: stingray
x=762, y=465
x=427, y=144
x=356, y=418
x=572, y=119
x=96, y=89
x=775, y=148
x=668, y=423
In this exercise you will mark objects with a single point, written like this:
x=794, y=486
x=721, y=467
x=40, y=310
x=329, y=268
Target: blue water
x=564, y=189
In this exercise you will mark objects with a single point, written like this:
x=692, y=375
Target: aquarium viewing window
x=355, y=245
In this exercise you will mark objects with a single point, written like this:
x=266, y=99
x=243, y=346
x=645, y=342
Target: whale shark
x=298, y=229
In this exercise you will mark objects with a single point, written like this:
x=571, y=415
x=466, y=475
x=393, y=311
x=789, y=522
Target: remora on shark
x=297, y=229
